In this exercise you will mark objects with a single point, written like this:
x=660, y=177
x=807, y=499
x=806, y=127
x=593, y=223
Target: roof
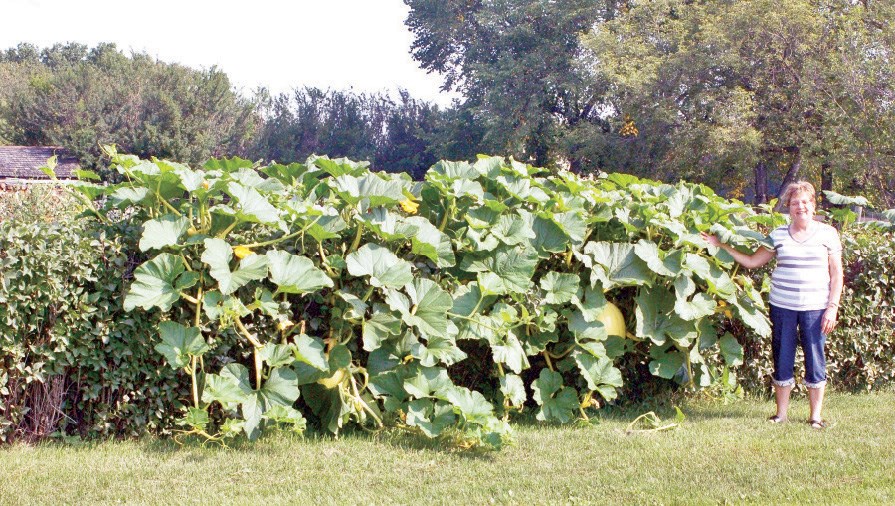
x=24, y=162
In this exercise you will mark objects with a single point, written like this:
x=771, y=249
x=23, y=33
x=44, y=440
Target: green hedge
x=70, y=359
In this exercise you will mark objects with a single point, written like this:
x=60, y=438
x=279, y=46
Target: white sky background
x=357, y=45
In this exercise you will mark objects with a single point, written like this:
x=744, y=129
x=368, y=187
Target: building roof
x=24, y=162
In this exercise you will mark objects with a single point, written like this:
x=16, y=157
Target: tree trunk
x=792, y=173
x=761, y=183
x=826, y=181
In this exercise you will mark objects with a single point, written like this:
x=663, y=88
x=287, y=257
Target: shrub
x=70, y=358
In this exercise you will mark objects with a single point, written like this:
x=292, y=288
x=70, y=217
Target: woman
x=805, y=289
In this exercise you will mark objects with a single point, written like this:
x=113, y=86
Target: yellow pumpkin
x=334, y=380
x=613, y=319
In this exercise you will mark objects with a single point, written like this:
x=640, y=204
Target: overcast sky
x=361, y=45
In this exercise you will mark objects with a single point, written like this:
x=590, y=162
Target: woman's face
x=801, y=205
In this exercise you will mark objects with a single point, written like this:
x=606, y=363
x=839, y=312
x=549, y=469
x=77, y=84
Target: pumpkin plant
x=348, y=292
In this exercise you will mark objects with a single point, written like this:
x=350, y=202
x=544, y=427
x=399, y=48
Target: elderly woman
x=805, y=289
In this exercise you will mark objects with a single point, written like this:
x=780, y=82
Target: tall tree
x=394, y=135
x=81, y=99
x=515, y=63
x=747, y=95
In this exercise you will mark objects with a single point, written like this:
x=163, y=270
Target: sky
x=357, y=45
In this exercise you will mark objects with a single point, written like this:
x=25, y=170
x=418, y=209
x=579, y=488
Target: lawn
x=718, y=454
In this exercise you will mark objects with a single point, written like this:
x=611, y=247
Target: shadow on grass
x=201, y=448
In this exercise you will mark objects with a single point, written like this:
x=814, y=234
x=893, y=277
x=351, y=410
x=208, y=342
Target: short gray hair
x=797, y=187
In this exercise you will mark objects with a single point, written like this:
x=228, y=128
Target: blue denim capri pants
x=791, y=327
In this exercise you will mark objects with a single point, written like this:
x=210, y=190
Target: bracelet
x=833, y=304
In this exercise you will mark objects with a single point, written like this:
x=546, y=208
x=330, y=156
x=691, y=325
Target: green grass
x=719, y=454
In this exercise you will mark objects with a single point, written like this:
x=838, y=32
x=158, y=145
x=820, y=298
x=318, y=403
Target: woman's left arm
x=836, y=282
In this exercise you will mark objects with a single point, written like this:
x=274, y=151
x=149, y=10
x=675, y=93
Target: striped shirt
x=801, y=279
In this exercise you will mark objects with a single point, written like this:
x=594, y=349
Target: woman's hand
x=829, y=320
x=711, y=239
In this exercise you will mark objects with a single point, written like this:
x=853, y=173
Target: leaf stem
x=363, y=403
x=449, y=211
x=189, y=298
x=356, y=243
x=281, y=239
x=227, y=230
x=195, y=385
x=256, y=352
x=245, y=332
x=547, y=358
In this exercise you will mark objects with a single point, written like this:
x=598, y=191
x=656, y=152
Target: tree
x=82, y=99
x=392, y=135
x=747, y=95
x=515, y=62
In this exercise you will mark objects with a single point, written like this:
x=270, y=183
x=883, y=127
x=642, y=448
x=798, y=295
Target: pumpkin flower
x=242, y=252
x=409, y=206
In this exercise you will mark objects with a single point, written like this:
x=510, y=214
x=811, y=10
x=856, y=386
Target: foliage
x=70, y=96
x=37, y=203
x=70, y=359
x=395, y=135
x=747, y=96
x=515, y=63
x=352, y=291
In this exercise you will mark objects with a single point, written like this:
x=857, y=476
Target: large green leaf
x=429, y=382
x=127, y=195
x=509, y=351
x=155, y=283
x=310, y=351
x=616, y=264
x=666, y=362
x=731, y=350
x=431, y=416
x=599, y=373
x=700, y=306
x=558, y=403
x=752, y=316
x=431, y=242
x=430, y=307
x=280, y=389
x=719, y=282
x=252, y=206
x=179, y=343
x=549, y=237
x=657, y=320
x=560, y=286
x=512, y=229
x=218, y=254
x=383, y=267
x=231, y=387
x=380, y=327
x=386, y=224
x=277, y=355
x=506, y=270
x=437, y=350
x=572, y=224
x=450, y=171
x=370, y=187
x=164, y=231
x=649, y=252
x=296, y=274
x=513, y=390
x=471, y=405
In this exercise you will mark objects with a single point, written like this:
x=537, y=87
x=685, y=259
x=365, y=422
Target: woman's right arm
x=761, y=256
